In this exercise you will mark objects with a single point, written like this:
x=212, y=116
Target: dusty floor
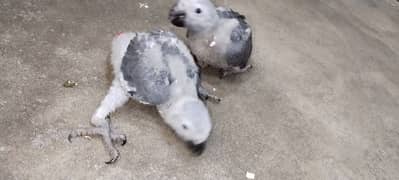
x=321, y=103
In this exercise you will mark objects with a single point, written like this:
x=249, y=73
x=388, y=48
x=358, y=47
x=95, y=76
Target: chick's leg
x=115, y=98
x=234, y=70
x=205, y=95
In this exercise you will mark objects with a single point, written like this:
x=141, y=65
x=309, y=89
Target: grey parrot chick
x=157, y=69
x=218, y=37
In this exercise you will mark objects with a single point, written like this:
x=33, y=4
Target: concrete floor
x=321, y=103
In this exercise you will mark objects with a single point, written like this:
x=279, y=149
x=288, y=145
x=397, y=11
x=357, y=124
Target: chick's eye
x=185, y=127
x=198, y=11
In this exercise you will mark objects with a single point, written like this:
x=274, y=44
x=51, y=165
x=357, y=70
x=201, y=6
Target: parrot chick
x=157, y=69
x=218, y=37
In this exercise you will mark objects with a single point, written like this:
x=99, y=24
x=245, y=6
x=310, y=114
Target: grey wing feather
x=238, y=54
x=229, y=13
x=240, y=50
x=151, y=86
x=242, y=32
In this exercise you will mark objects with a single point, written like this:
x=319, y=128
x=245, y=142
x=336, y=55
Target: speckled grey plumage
x=239, y=51
x=151, y=85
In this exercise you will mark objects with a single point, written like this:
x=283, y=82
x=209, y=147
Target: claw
x=70, y=138
x=112, y=161
x=114, y=158
x=124, y=141
x=98, y=131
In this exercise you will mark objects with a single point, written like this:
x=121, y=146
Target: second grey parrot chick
x=218, y=37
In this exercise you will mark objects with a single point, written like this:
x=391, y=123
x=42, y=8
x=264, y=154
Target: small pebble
x=70, y=84
x=143, y=5
x=250, y=175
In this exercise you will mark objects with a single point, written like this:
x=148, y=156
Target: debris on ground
x=143, y=5
x=250, y=175
x=70, y=84
x=88, y=138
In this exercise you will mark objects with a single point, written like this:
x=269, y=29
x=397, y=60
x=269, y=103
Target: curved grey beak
x=177, y=18
x=196, y=149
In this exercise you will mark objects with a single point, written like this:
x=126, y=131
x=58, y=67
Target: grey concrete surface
x=321, y=103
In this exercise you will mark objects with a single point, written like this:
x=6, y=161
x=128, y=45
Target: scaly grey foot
x=205, y=95
x=234, y=70
x=107, y=136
